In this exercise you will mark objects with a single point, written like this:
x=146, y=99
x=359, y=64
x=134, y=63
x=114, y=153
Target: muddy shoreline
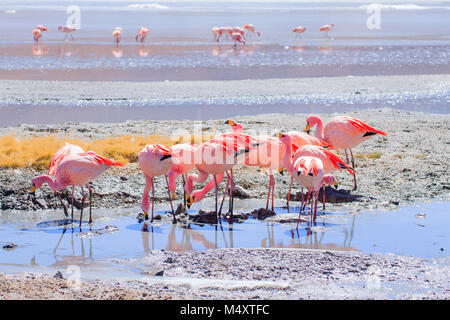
x=252, y=274
x=411, y=164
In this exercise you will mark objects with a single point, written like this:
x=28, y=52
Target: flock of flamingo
x=236, y=34
x=308, y=159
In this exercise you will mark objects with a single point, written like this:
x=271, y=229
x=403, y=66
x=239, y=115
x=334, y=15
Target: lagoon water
x=44, y=244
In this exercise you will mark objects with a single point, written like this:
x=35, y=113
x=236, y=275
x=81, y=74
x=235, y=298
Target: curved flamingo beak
x=174, y=196
x=335, y=183
x=33, y=189
x=280, y=171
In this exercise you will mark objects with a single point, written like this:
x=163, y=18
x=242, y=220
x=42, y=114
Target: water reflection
x=143, y=50
x=230, y=51
x=38, y=50
x=117, y=52
x=325, y=49
x=66, y=50
x=77, y=257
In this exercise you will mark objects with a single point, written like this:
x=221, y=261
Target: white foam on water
x=197, y=283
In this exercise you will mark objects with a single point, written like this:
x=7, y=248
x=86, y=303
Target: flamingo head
x=330, y=180
x=60, y=28
x=311, y=122
x=284, y=137
x=36, y=184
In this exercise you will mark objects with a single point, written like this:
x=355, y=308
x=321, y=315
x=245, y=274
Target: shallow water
x=44, y=244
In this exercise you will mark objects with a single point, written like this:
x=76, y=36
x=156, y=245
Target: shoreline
x=389, y=168
x=252, y=274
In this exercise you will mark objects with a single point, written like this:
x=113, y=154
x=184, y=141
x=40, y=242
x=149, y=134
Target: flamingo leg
x=73, y=191
x=225, y=193
x=353, y=165
x=306, y=201
x=323, y=196
x=216, y=191
x=90, y=205
x=184, y=191
x=153, y=197
x=289, y=193
x=232, y=185
x=316, y=198
x=170, y=198
x=82, y=205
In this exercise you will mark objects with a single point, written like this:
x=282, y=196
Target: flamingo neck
x=200, y=194
x=319, y=129
x=287, y=159
x=55, y=186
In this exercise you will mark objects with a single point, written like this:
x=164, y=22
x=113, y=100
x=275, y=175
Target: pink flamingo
x=227, y=31
x=326, y=28
x=59, y=156
x=250, y=28
x=299, y=30
x=183, y=163
x=237, y=37
x=330, y=161
x=117, y=33
x=76, y=169
x=154, y=160
x=36, y=35
x=267, y=155
x=67, y=30
x=343, y=132
x=212, y=157
x=308, y=172
x=142, y=34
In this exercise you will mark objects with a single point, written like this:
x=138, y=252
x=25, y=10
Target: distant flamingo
x=326, y=28
x=36, y=35
x=60, y=155
x=154, y=160
x=183, y=163
x=227, y=31
x=117, y=33
x=299, y=30
x=67, y=30
x=237, y=37
x=250, y=28
x=142, y=34
x=76, y=169
x=343, y=132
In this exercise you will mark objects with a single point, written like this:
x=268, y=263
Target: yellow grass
x=371, y=155
x=36, y=152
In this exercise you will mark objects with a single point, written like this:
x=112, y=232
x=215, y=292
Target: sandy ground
x=410, y=164
x=253, y=274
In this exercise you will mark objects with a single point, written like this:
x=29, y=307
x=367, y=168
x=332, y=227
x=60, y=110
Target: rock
x=262, y=213
x=240, y=193
x=10, y=246
x=180, y=209
x=204, y=217
x=58, y=275
x=160, y=273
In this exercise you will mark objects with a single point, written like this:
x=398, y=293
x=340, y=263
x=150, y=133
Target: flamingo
x=267, y=155
x=36, y=35
x=326, y=28
x=215, y=158
x=67, y=150
x=117, y=33
x=67, y=30
x=299, y=30
x=224, y=30
x=250, y=28
x=237, y=37
x=76, y=169
x=298, y=140
x=142, y=34
x=330, y=161
x=154, y=160
x=183, y=163
x=343, y=132
x=308, y=171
